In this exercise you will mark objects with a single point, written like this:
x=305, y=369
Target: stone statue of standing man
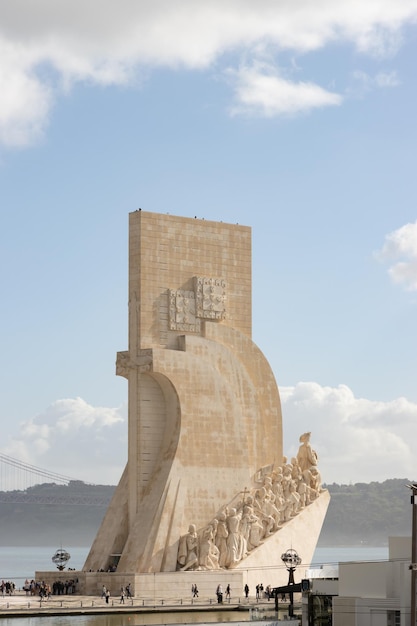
x=306, y=457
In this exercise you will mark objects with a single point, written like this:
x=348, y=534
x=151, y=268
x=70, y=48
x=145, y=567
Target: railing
x=259, y=610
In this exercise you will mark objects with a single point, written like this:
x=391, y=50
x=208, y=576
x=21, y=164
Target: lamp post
x=291, y=560
x=413, y=565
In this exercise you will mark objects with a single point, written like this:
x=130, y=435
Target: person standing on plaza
x=219, y=594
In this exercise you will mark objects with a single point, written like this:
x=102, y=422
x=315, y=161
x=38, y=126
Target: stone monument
x=206, y=490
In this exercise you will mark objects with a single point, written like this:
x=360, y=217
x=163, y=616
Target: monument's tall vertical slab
x=204, y=407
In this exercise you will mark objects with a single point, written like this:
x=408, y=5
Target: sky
x=297, y=119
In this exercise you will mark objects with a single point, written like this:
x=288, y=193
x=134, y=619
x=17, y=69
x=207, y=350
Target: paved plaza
x=22, y=604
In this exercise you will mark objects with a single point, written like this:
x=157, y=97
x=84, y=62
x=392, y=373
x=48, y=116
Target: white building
x=367, y=593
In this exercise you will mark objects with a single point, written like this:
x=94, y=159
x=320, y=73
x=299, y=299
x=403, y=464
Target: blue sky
x=295, y=120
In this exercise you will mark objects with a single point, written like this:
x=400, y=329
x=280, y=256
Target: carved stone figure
x=264, y=505
x=261, y=511
x=302, y=492
x=316, y=479
x=221, y=537
x=296, y=469
x=209, y=552
x=293, y=499
x=234, y=543
x=255, y=535
x=249, y=520
x=188, y=550
x=306, y=456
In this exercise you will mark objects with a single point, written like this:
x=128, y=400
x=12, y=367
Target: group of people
x=219, y=593
x=7, y=588
x=263, y=592
x=260, y=592
x=105, y=594
x=44, y=590
x=111, y=568
x=125, y=592
x=277, y=496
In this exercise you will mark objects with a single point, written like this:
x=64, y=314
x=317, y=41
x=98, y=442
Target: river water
x=19, y=563
x=132, y=619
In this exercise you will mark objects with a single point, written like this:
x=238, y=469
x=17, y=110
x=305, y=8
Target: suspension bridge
x=24, y=483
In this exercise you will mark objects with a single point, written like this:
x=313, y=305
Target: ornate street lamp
x=291, y=560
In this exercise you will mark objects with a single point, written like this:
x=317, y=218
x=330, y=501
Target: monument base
x=263, y=565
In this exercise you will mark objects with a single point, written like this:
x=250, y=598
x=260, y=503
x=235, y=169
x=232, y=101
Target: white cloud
x=387, y=79
x=50, y=46
x=364, y=83
x=73, y=438
x=25, y=101
x=400, y=250
x=357, y=440
x=260, y=91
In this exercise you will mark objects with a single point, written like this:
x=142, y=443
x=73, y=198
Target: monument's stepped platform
x=265, y=566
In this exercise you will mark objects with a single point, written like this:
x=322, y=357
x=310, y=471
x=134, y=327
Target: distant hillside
x=367, y=513
x=49, y=514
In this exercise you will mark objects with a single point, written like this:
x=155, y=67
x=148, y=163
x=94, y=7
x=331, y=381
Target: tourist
x=219, y=594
